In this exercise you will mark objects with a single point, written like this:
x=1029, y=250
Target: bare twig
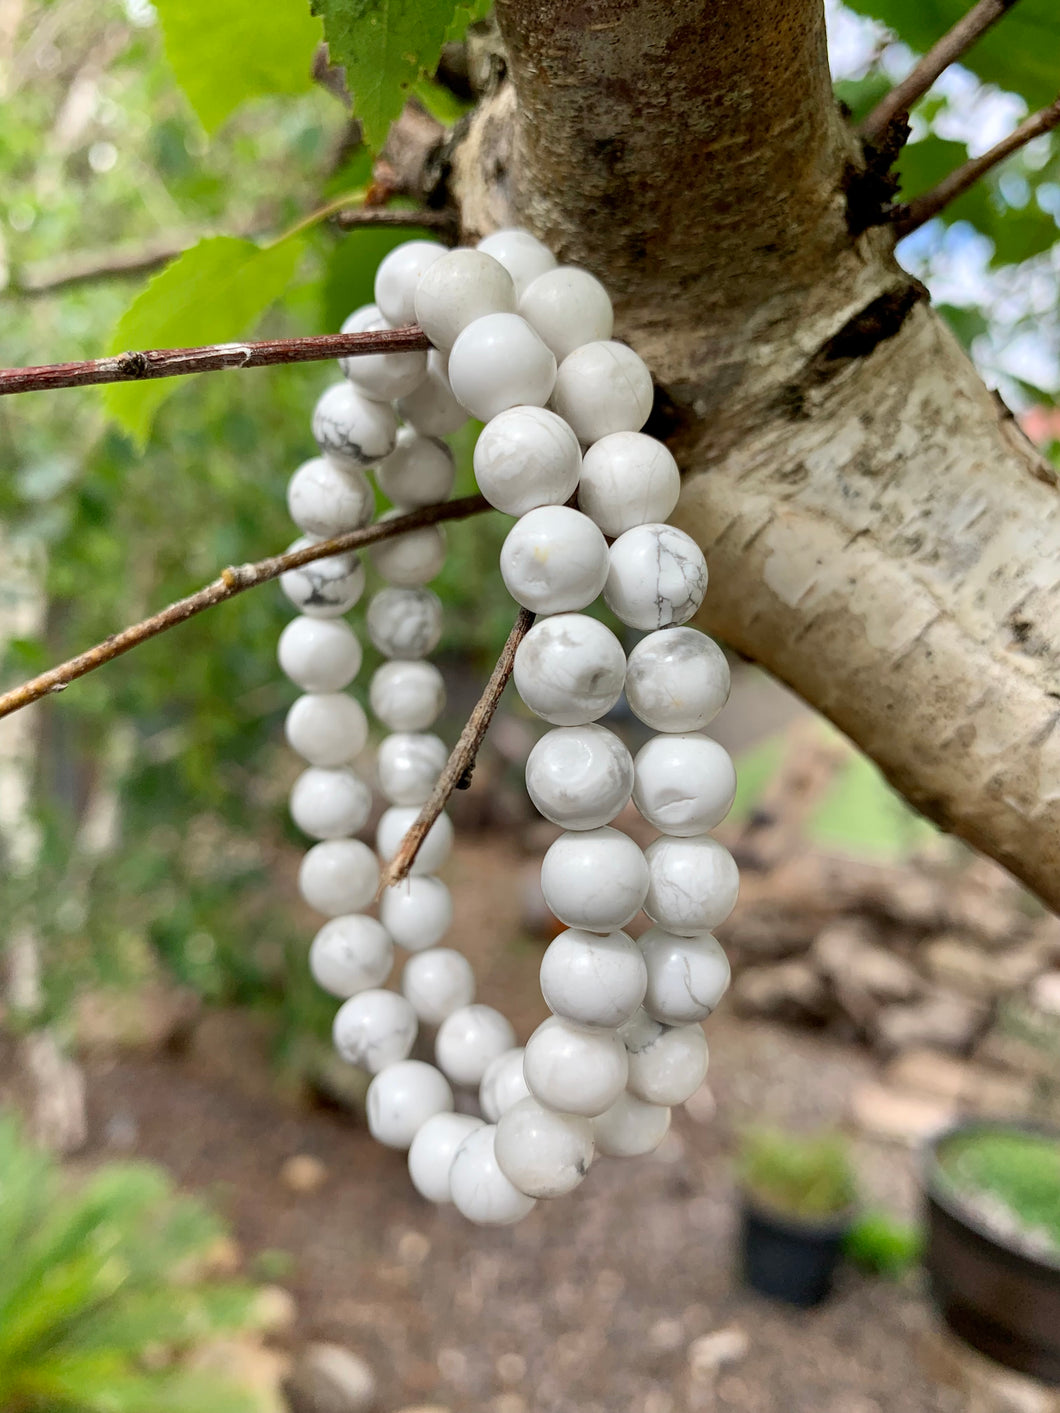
x=445, y=222
x=462, y=759
x=910, y=216
x=230, y=582
x=95, y=267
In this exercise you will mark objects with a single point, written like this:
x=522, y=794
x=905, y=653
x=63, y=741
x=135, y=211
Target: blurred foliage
x=797, y=1175
x=881, y=1245
x=1019, y=1170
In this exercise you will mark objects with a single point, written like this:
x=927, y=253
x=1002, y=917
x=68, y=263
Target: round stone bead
x=554, y=560
x=603, y=388
x=326, y=728
x=479, y=1189
x=405, y=623
x=464, y=285
x=543, y=1153
x=499, y=362
x=396, y=278
x=591, y=979
x=693, y=883
x=396, y=823
x=438, y=982
x=595, y=878
x=575, y=1069
x=410, y=559
x=407, y=696
x=630, y=1128
x=319, y=654
x=419, y=471
x=330, y=803
x=374, y=1029
x=521, y=254
x=383, y=376
x=409, y=763
x=568, y=307
x=433, y=409
x=469, y=1039
x=325, y=499
x=417, y=912
x=687, y=976
x=579, y=776
x=324, y=588
x=503, y=1084
x=628, y=479
x=339, y=876
x=402, y=1099
x=569, y=669
x=352, y=429
x=667, y=1064
x=526, y=457
x=432, y=1151
x=658, y=577
x=677, y=680
x=683, y=784
x=351, y=954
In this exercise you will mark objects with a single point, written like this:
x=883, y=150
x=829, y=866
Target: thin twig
x=445, y=222
x=945, y=52
x=910, y=216
x=462, y=759
x=230, y=582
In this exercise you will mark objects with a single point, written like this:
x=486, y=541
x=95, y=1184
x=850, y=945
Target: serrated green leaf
x=922, y=165
x=213, y=293
x=468, y=12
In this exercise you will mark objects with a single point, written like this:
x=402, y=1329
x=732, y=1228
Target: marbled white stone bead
x=409, y=764
x=580, y=777
x=468, y=1040
x=399, y=272
x=438, y=982
x=326, y=728
x=521, y=254
x=526, y=457
x=330, y=803
x=339, y=876
x=628, y=479
x=568, y=307
x=479, y=1189
x=554, y=560
x=324, y=499
x=658, y=577
x=687, y=976
x=595, y=878
x=503, y=1084
x=324, y=588
x=575, y=1069
x=464, y=285
x=570, y=669
x=433, y=409
x=352, y=429
x=432, y=1151
x=411, y=559
x=498, y=362
x=692, y=883
x=630, y=1127
x=419, y=471
x=402, y=1098
x=543, y=1153
x=417, y=912
x=374, y=1029
x=382, y=376
x=405, y=623
x=683, y=784
x=593, y=979
x=677, y=679
x=395, y=824
x=351, y=954
x=603, y=388
x=407, y=696
x=667, y=1064
x=319, y=654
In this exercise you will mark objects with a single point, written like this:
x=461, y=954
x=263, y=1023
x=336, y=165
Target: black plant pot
x=789, y=1258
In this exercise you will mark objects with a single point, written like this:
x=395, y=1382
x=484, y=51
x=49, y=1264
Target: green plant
x=101, y=1292
x=799, y=1176
x=882, y=1245
x=1019, y=1170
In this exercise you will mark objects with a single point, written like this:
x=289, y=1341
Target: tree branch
x=89, y=268
x=445, y=222
x=461, y=762
x=230, y=582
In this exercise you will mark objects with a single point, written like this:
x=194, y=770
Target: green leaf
x=350, y=278
x=862, y=815
x=213, y=293
x=468, y=12
x=222, y=55
x=922, y=165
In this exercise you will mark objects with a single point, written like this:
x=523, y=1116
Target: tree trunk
x=880, y=534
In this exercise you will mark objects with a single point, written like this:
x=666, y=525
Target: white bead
x=628, y=479
x=667, y=1064
x=603, y=388
x=687, y=976
x=677, y=680
x=469, y=1039
x=419, y=471
x=630, y=1127
x=658, y=577
x=417, y=912
x=499, y=362
x=579, y=776
x=409, y=764
x=462, y=286
x=330, y=803
x=324, y=499
x=411, y=559
x=432, y=1151
x=543, y=1153
x=683, y=784
x=326, y=728
x=381, y=376
x=397, y=276
x=438, y=982
x=407, y=696
x=554, y=560
x=324, y=588
x=396, y=823
x=591, y=979
x=339, y=876
x=570, y=669
x=521, y=254
x=526, y=457
x=405, y=623
x=350, y=954
x=352, y=429
x=374, y=1029
x=319, y=654
x=692, y=883
x=479, y=1189
x=595, y=878
x=568, y=307
x=574, y=1069
x=503, y=1084
x=433, y=409
x=402, y=1099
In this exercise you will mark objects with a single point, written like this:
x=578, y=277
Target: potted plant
x=798, y=1201
x=993, y=1244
